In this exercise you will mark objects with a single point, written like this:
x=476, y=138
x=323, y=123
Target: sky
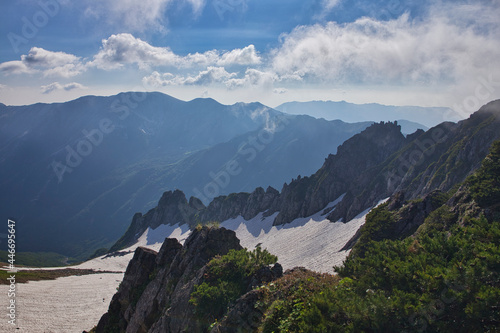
x=395, y=52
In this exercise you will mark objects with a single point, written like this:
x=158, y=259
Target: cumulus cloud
x=38, y=57
x=15, y=67
x=244, y=56
x=57, y=86
x=50, y=63
x=253, y=77
x=433, y=50
x=124, y=48
x=121, y=49
x=206, y=77
x=219, y=75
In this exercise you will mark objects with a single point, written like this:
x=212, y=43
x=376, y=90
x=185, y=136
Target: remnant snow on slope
x=312, y=242
x=76, y=303
x=65, y=305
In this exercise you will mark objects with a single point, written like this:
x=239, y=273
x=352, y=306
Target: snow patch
x=312, y=242
x=76, y=303
x=66, y=305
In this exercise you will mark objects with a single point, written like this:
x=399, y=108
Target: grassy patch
x=227, y=278
x=38, y=275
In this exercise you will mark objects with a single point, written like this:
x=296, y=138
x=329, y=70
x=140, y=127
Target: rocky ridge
x=155, y=292
x=367, y=168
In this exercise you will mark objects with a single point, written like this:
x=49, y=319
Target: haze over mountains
x=437, y=226
x=367, y=168
x=329, y=110
x=77, y=172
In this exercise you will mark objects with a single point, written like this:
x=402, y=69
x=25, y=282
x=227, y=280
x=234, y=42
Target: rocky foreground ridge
x=155, y=292
x=370, y=166
x=425, y=264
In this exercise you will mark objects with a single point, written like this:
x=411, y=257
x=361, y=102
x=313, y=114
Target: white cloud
x=124, y=48
x=119, y=50
x=50, y=63
x=15, y=67
x=253, y=77
x=439, y=49
x=330, y=4
x=280, y=91
x=209, y=76
x=38, y=57
x=200, y=59
x=65, y=71
x=57, y=86
x=245, y=56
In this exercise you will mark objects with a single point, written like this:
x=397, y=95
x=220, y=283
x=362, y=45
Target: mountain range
x=349, y=112
x=426, y=259
x=372, y=165
x=74, y=173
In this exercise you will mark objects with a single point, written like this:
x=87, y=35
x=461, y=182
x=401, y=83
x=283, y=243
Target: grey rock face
x=154, y=295
x=135, y=280
x=369, y=167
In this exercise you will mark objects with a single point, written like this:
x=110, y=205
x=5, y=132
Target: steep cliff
x=369, y=167
x=156, y=289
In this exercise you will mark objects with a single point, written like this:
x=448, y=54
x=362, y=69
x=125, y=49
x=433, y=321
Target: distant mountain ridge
x=349, y=112
x=75, y=172
x=367, y=168
x=409, y=255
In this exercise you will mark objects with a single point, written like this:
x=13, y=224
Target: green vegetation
x=378, y=222
x=445, y=278
x=38, y=275
x=211, y=224
x=226, y=279
x=485, y=184
x=438, y=282
x=288, y=300
x=99, y=252
x=38, y=259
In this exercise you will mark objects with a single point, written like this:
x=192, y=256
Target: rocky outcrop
x=136, y=278
x=306, y=196
x=155, y=292
x=408, y=217
x=173, y=208
x=369, y=167
x=437, y=159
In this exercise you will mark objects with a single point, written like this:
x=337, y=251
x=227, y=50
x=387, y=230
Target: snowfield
x=76, y=303
x=312, y=242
